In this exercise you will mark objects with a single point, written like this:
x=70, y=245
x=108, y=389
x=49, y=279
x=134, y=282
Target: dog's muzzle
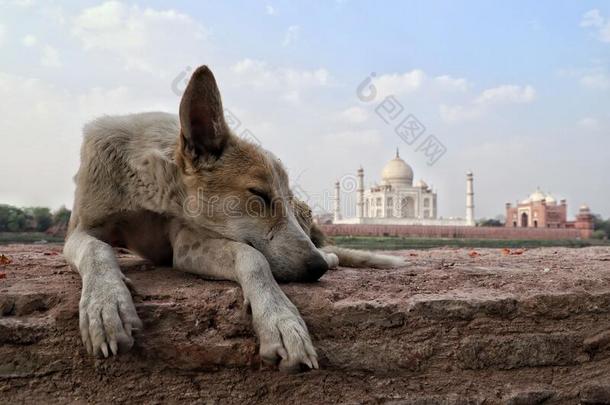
x=316, y=266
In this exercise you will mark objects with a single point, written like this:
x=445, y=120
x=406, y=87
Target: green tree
x=12, y=219
x=490, y=222
x=601, y=227
x=4, y=213
x=61, y=217
x=41, y=218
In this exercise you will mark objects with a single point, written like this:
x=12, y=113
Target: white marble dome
x=421, y=184
x=397, y=172
x=538, y=196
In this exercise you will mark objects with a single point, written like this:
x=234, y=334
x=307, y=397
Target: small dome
x=537, y=195
x=397, y=172
x=584, y=208
x=421, y=184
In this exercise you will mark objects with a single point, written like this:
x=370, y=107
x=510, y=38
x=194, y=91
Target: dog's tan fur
x=181, y=191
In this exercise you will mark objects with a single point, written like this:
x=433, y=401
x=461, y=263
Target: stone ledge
x=496, y=329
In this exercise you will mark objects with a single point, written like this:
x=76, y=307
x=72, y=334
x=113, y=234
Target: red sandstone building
x=541, y=210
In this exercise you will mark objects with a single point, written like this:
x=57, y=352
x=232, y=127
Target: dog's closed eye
x=263, y=195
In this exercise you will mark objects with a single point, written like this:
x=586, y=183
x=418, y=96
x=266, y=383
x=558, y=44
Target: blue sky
x=517, y=92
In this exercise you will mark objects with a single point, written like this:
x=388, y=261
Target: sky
x=516, y=92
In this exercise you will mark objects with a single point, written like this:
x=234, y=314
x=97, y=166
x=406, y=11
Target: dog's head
x=237, y=189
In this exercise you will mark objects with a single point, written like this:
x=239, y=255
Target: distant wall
x=455, y=232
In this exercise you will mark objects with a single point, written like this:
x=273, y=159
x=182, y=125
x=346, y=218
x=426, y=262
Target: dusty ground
x=453, y=327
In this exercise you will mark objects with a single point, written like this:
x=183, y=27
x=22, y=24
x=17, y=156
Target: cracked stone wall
x=449, y=328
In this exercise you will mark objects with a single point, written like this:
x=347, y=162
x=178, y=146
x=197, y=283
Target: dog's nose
x=316, y=267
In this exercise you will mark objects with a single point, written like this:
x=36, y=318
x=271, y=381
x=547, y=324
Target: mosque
x=397, y=201
x=540, y=209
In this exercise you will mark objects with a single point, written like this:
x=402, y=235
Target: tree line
x=32, y=219
x=601, y=227
x=41, y=219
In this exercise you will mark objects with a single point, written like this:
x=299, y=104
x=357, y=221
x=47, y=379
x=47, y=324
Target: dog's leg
x=107, y=313
x=282, y=333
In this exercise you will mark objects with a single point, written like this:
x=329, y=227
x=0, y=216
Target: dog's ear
x=203, y=131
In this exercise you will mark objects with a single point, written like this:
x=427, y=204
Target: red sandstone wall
x=454, y=232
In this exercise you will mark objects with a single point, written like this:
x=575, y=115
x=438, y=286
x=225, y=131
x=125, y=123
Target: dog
x=185, y=191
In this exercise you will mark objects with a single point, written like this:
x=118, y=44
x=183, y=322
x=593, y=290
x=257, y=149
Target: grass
x=27, y=237
x=375, y=242
x=396, y=243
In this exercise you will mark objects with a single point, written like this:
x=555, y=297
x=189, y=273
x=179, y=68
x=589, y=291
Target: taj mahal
x=396, y=200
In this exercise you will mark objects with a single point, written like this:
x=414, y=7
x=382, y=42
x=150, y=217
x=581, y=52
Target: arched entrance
x=524, y=220
x=407, y=207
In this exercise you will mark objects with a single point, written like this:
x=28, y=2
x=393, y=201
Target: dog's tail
x=363, y=258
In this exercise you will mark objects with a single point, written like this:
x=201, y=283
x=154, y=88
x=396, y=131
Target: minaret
x=337, y=216
x=360, y=192
x=469, y=200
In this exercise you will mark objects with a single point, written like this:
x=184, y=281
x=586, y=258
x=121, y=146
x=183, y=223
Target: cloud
x=21, y=3
x=350, y=139
x=36, y=127
x=50, y=57
x=417, y=80
x=503, y=94
x=258, y=73
x=506, y=94
x=288, y=83
x=292, y=35
x=354, y=115
x=29, y=40
x=589, y=123
x=142, y=37
x=269, y=10
x=459, y=113
x=2, y=34
x=594, y=78
x=595, y=81
x=44, y=125
x=411, y=81
x=397, y=84
x=594, y=20
x=447, y=82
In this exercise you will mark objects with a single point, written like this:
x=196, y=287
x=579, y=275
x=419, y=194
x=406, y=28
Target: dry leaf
x=474, y=253
x=2, y=275
x=5, y=259
x=507, y=251
x=412, y=254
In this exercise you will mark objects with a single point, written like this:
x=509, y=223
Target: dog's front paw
x=332, y=259
x=284, y=337
x=107, y=316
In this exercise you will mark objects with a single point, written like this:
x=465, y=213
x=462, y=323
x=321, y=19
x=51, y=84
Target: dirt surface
x=455, y=326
